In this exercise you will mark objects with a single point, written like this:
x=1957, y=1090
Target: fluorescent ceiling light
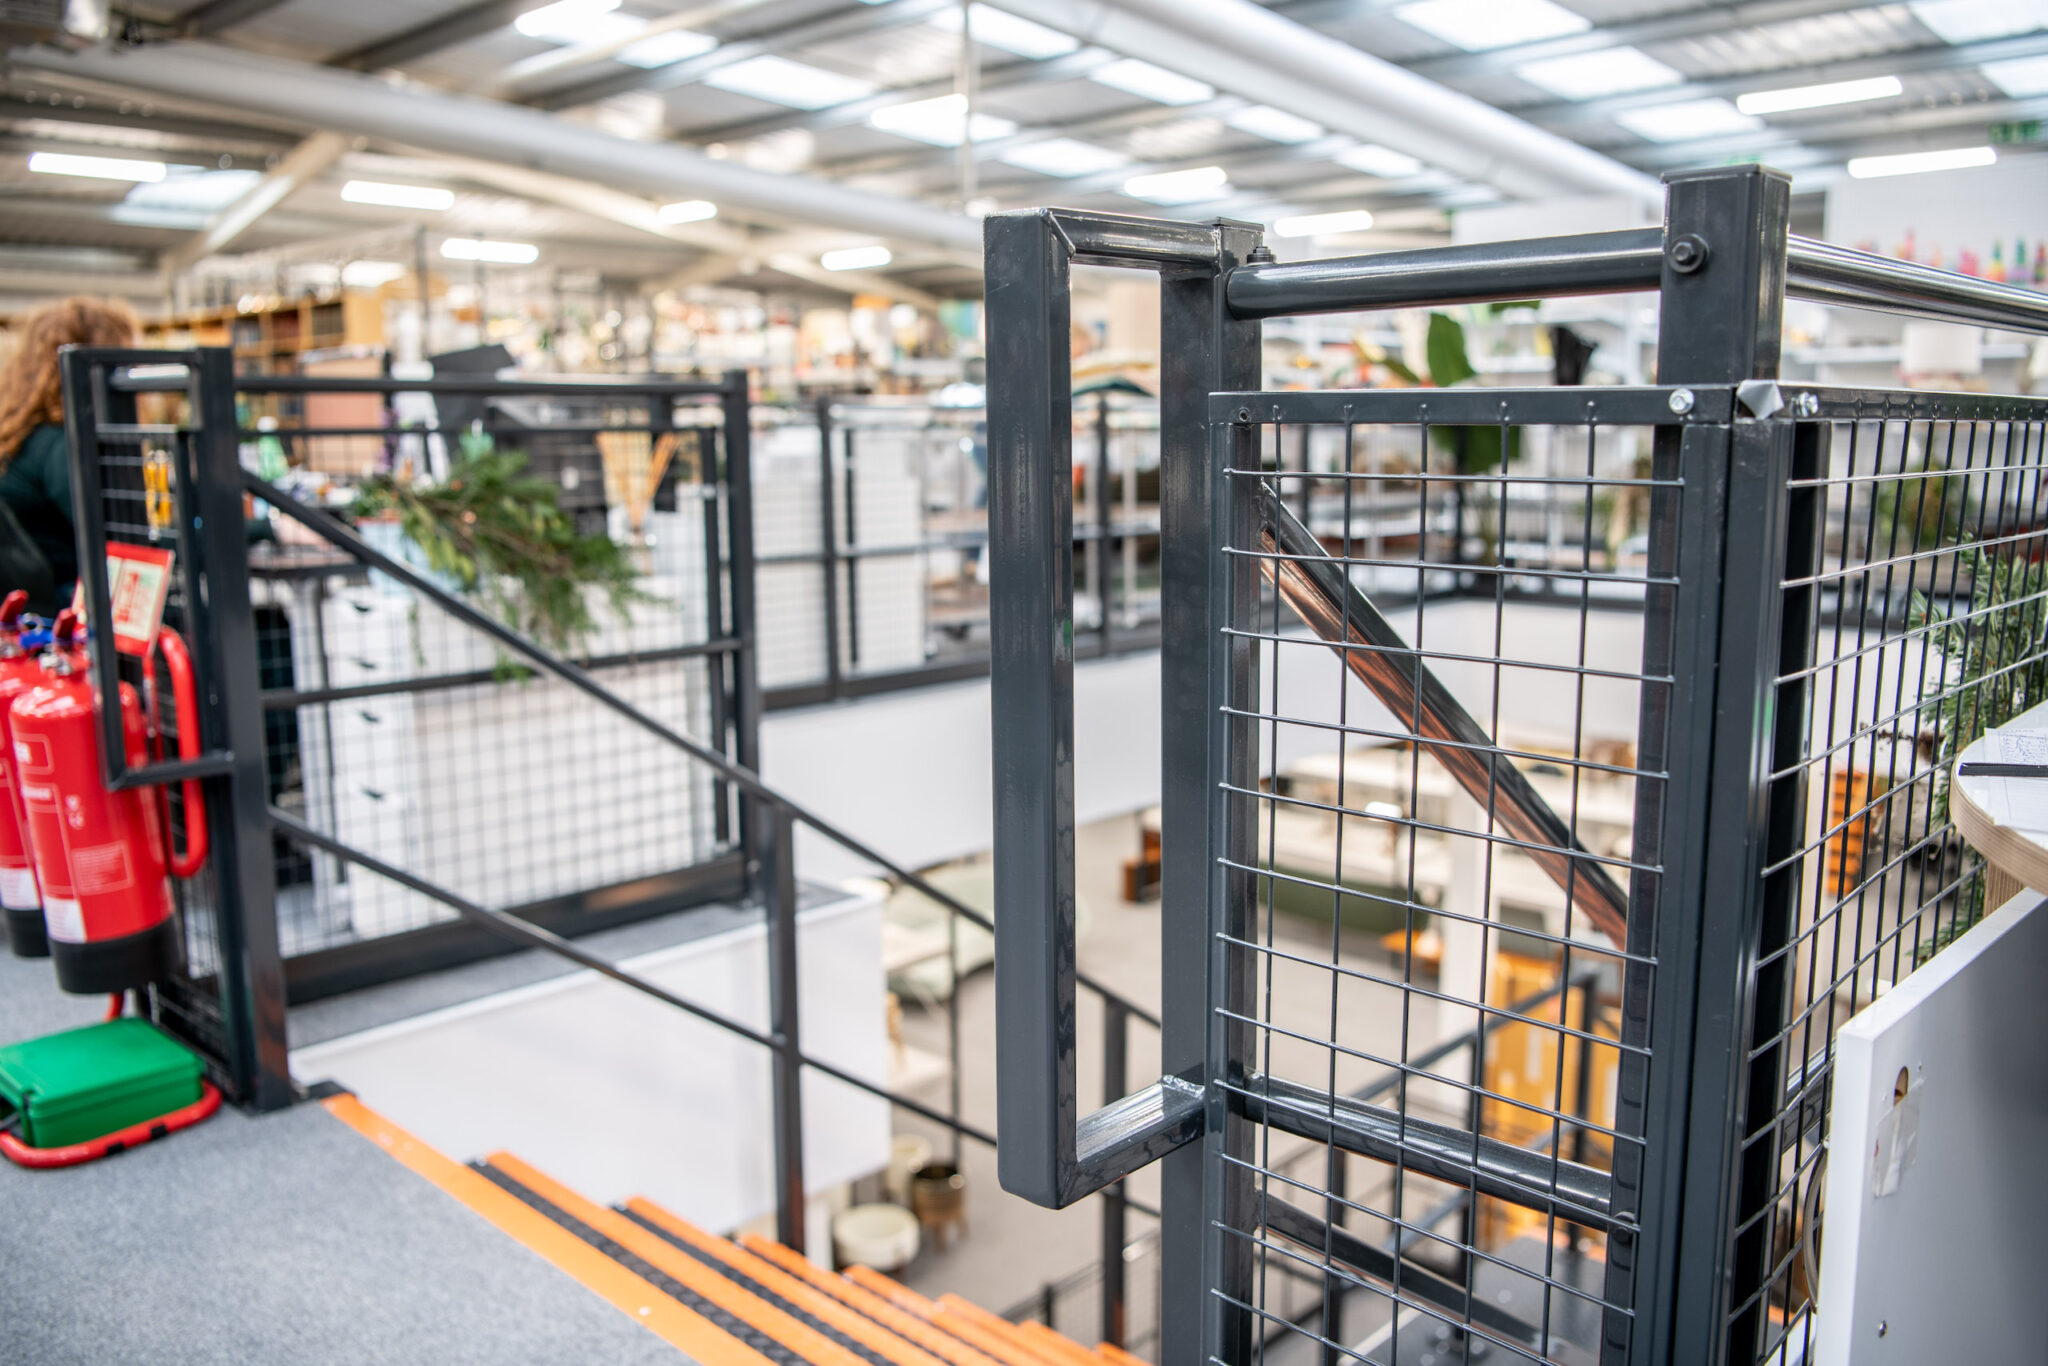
x=483, y=249
x=1590, y=75
x=567, y=21
x=856, y=258
x=1912, y=163
x=1477, y=25
x=942, y=122
x=1375, y=160
x=1134, y=77
x=370, y=274
x=1275, y=125
x=1180, y=187
x=1687, y=120
x=666, y=48
x=397, y=196
x=198, y=191
x=1000, y=28
x=96, y=168
x=778, y=80
x=1818, y=96
x=687, y=211
x=1970, y=21
x=2020, y=78
x=1323, y=224
x=1064, y=157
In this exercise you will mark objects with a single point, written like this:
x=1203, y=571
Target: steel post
x=828, y=548
x=784, y=1001
x=745, y=710
x=1115, y=1233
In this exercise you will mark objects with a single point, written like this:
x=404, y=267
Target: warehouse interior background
x=655, y=233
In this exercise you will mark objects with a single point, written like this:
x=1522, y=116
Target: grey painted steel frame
x=1049, y=1153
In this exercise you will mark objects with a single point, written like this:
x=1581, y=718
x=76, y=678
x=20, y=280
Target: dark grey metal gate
x=1592, y=1127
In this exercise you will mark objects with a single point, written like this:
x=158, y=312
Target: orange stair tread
x=884, y=1311
x=1117, y=1356
x=967, y=1313
x=894, y=1291
x=998, y=1344
x=645, y=1303
x=819, y=1305
x=756, y=1313
x=1062, y=1349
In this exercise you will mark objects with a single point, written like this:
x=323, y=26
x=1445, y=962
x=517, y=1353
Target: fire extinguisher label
x=63, y=919
x=101, y=868
x=18, y=889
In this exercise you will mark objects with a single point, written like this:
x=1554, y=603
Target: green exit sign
x=2024, y=130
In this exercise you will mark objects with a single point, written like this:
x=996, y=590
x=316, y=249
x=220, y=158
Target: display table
x=2018, y=858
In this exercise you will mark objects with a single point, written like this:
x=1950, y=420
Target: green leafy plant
x=1919, y=513
x=500, y=533
x=1994, y=666
x=1477, y=450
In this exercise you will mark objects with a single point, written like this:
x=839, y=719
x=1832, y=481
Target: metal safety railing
x=230, y=999
x=872, y=564
x=1417, y=785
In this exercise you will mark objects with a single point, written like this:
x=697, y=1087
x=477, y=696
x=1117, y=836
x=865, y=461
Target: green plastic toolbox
x=84, y=1083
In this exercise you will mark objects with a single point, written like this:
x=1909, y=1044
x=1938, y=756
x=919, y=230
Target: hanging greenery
x=1994, y=668
x=500, y=533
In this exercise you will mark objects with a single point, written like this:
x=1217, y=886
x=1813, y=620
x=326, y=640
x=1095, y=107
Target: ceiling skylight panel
x=779, y=80
x=1134, y=77
x=942, y=122
x=1687, y=120
x=1477, y=25
x=1590, y=75
x=1000, y=28
x=1275, y=125
x=1064, y=157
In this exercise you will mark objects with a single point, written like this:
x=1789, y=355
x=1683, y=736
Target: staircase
x=721, y=1302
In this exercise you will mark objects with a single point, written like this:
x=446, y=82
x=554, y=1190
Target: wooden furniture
x=2018, y=859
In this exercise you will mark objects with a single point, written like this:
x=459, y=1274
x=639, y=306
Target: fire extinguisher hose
x=134, y=1136
x=185, y=700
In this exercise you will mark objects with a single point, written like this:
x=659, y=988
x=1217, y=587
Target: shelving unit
x=274, y=339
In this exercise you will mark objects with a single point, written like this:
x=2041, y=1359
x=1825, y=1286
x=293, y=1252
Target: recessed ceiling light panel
x=687, y=211
x=1000, y=28
x=484, y=249
x=1477, y=25
x=1590, y=75
x=1323, y=224
x=1275, y=125
x=430, y=197
x=95, y=168
x=1914, y=163
x=1818, y=96
x=1687, y=120
x=1180, y=187
x=856, y=258
x=778, y=80
x=1064, y=157
x=1375, y=160
x=1143, y=79
x=942, y=121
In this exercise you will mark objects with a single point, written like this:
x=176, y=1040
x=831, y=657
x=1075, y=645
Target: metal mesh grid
x=1915, y=622
x=395, y=728
x=138, y=505
x=403, y=732
x=1434, y=1018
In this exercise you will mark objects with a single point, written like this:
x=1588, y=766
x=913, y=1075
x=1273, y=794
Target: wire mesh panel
x=1915, y=599
x=1432, y=870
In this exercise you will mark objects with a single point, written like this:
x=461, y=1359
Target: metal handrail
x=533, y=936
x=1612, y=263
x=333, y=529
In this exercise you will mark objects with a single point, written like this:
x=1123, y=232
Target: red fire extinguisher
x=102, y=856
x=19, y=898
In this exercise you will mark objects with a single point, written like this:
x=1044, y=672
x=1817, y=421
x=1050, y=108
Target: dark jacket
x=36, y=487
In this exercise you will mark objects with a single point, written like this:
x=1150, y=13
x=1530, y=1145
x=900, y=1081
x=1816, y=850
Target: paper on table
x=2018, y=803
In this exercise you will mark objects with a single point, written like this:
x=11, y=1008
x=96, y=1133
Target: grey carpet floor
x=281, y=1239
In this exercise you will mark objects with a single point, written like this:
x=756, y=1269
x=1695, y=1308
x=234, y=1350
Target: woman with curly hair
x=35, y=463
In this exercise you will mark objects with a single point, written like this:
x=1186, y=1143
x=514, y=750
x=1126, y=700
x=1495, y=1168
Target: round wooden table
x=2017, y=859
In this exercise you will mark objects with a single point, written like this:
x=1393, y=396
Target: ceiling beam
x=1008, y=76
x=435, y=35
x=514, y=135
x=1706, y=21
x=304, y=162
x=852, y=22
x=213, y=132
x=710, y=236
x=215, y=15
x=1828, y=143
x=1578, y=114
